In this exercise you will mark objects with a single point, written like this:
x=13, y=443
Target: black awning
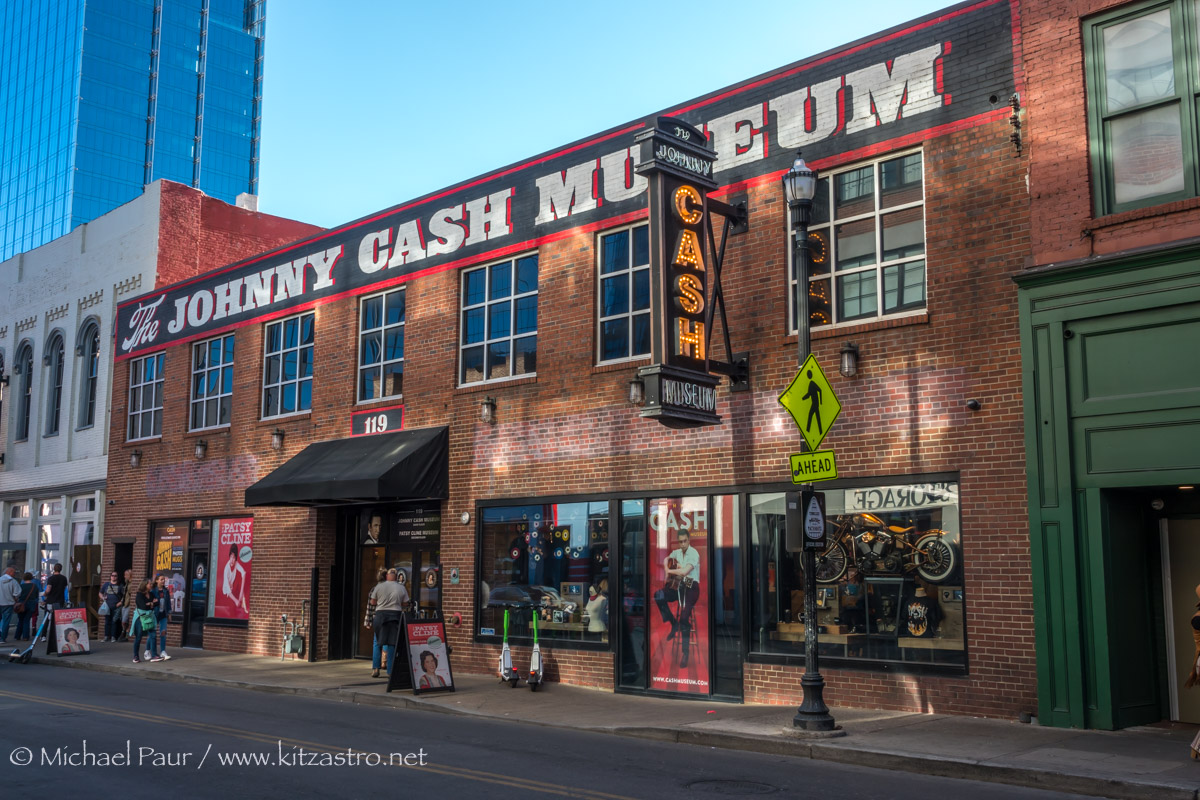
x=407, y=465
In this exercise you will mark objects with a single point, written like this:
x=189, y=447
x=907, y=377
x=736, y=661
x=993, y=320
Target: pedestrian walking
x=162, y=608
x=27, y=607
x=1193, y=679
x=385, y=605
x=144, y=623
x=128, y=605
x=112, y=594
x=10, y=593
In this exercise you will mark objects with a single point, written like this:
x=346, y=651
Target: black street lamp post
x=799, y=187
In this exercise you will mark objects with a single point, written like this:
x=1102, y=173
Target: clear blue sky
x=369, y=103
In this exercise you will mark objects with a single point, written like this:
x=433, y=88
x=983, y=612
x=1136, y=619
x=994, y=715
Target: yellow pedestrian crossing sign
x=810, y=400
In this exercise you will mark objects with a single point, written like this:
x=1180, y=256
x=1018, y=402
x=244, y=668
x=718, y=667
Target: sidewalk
x=1148, y=762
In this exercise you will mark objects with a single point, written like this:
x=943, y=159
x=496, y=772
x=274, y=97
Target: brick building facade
x=56, y=319
x=1109, y=322
x=522, y=294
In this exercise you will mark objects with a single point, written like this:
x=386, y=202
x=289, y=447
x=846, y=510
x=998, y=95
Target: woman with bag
x=26, y=606
x=144, y=623
x=111, y=594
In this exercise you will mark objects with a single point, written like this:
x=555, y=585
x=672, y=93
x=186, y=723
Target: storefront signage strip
x=901, y=84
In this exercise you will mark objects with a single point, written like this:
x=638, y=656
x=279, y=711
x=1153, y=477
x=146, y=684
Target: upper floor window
x=212, y=383
x=624, y=296
x=54, y=359
x=24, y=373
x=381, y=346
x=146, y=396
x=1143, y=69
x=89, y=348
x=288, y=366
x=867, y=243
x=499, y=321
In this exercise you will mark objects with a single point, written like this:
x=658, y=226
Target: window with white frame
x=24, y=372
x=867, y=243
x=146, y=397
x=288, y=366
x=212, y=383
x=55, y=358
x=381, y=346
x=624, y=294
x=499, y=321
x=89, y=346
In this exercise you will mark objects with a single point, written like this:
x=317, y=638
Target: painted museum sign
x=944, y=73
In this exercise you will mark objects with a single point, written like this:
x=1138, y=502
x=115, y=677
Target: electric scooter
x=535, y=658
x=23, y=656
x=507, y=672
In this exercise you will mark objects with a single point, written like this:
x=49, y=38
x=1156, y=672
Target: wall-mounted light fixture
x=201, y=448
x=135, y=459
x=487, y=410
x=974, y=405
x=466, y=517
x=849, y=362
x=637, y=390
x=277, y=439
x=4, y=380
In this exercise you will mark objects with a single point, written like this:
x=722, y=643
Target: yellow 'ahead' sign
x=811, y=402
x=813, y=467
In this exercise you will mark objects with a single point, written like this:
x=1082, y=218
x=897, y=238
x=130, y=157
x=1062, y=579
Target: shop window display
x=550, y=559
x=889, y=582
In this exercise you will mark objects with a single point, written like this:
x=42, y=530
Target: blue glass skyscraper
x=100, y=97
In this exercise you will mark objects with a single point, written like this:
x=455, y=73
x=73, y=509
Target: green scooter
x=507, y=672
x=535, y=658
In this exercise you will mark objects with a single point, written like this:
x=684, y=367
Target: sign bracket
x=738, y=368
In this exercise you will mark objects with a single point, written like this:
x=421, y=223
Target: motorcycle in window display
x=881, y=549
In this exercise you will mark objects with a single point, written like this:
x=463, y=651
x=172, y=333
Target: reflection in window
x=499, y=321
x=873, y=243
x=90, y=342
x=624, y=297
x=889, y=582
x=551, y=559
x=145, y=397
x=381, y=346
x=212, y=383
x=24, y=373
x=288, y=366
x=55, y=383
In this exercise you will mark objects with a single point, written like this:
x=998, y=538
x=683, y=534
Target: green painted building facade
x=1111, y=378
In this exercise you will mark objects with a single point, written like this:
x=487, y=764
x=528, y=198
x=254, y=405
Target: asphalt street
x=89, y=732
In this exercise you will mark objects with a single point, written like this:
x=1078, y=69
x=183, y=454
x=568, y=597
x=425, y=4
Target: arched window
x=24, y=373
x=54, y=359
x=89, y=348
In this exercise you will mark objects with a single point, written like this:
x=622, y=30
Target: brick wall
x=571, y=430
x=1063, y=222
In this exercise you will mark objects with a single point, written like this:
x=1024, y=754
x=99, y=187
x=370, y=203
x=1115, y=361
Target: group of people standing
x=20, y=598
x=137, y=609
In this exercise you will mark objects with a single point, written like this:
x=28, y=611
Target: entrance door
x=1183, y=567
x=196, y=607
x=631, y=593
x=373, y=559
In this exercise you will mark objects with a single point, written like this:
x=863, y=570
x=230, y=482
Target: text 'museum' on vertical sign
x=678, y=164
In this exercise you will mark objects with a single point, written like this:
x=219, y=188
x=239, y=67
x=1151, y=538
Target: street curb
x=837, y=751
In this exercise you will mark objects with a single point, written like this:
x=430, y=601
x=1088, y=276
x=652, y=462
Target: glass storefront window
x=551, y=559
x=49, y=547
x=889, y=583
